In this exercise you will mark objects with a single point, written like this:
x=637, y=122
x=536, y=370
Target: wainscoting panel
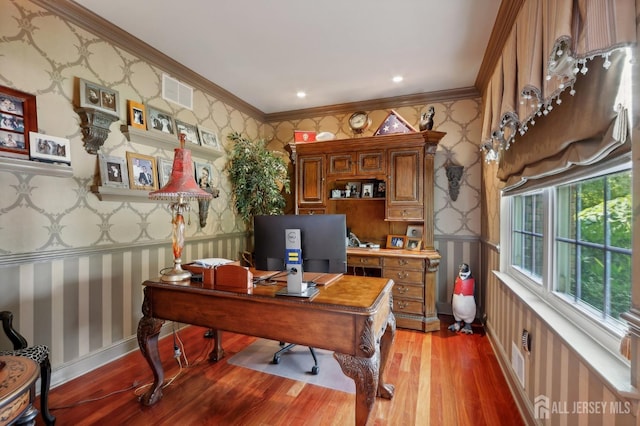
x=87, y=303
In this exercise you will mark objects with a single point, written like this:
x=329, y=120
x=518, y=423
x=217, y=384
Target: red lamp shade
x=182, y=182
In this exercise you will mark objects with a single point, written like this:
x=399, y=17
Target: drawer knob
x=402, y=304
x=403, y=289
x=402, y=275
x=364, y=260
x=402, y=262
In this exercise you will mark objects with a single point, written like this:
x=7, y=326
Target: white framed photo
x=209, y=139
x=165, y=167
x=190, y=132
x=51, y=149
x=113, y=171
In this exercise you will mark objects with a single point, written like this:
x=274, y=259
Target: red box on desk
x=233, y=277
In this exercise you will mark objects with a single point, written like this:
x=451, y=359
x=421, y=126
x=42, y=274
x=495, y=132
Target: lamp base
x=176, y=274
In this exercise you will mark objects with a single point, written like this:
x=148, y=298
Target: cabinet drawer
x=403, y=262
x=408, y=291
x=311, y=211
x=408, y=306
x=403, y=275
x=366, y=261
x=405, y=213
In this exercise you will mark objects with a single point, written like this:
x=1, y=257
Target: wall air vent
x=177, y=92
x=517, y=362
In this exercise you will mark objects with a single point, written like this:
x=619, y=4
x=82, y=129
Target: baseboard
x=519, y=395
x=84, y=365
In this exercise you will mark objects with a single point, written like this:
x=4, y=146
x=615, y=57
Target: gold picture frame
x=414, y=244
x=396, y=241
x=136, y=114
x=143, y=171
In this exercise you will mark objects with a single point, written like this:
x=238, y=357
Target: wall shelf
x=35, y=167
x=165, y=141
x=107, y=193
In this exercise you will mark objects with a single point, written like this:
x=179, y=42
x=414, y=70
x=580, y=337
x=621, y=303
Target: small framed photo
x=136, y=115
x=102, y=98
x=209, y=139
x=113, y=171
x=367, y=190
x=165, y=167
x=354, y=189
x=18, y=118
x=190, y=132
x=380, y=189
x=142, y=171
x=414, y=243
x=50, y=149
x=396, y=241
x=160, y=121
x=204, y=175
x=414, y=231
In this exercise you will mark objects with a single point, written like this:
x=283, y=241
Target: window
x=572, y=240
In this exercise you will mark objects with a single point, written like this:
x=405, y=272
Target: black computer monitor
x=323, y=236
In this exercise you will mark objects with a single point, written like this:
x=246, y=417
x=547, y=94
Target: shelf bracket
x=95, y=127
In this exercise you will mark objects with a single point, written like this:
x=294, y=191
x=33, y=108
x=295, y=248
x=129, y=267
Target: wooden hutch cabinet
x=401, y=168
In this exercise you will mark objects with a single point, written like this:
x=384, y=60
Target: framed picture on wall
x=204, y=175
x=165, y=167
x=190, y=131
x=17, y=120
x=113, y=171
x=209, y=139
x=92, y=95
x=50, y=149
x=136, y=115
x=160, y=121
x=142, y=171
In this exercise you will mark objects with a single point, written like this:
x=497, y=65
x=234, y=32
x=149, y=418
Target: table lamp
x=180, y=190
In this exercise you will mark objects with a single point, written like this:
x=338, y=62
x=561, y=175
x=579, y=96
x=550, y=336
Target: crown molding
x=373, y=104
x=507, y=14
x=84, y=18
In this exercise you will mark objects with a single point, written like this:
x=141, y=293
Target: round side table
x=18, y=377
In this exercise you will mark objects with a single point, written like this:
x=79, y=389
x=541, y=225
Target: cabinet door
x=405, y=189
x=311, y=186
x=371, y=162
x=341, y=165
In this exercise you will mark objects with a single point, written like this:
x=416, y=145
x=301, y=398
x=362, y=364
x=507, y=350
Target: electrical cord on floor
x=84, y=401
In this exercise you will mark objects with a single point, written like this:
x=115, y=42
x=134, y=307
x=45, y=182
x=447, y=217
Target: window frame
x=607, y=334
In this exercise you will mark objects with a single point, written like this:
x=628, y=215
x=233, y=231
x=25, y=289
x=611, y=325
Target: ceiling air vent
x=176, y=92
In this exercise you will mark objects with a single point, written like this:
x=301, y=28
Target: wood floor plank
x=441, y=378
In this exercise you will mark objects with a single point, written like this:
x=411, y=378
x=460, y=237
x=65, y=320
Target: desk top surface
x=348, y=291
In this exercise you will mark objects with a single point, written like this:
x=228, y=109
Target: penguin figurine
x=463, y=302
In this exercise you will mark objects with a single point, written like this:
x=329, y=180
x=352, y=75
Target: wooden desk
x=352, y=317
x=17, y=390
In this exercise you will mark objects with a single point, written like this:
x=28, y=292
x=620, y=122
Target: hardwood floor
x=441, y=378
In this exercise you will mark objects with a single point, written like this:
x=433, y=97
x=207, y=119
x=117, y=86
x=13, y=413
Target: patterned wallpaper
x=34, y=61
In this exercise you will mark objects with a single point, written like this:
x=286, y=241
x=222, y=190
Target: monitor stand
x=307, y=293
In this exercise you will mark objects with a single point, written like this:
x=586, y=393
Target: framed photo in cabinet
x=113, y=171
x=415, y=231
x=367, y=190
x=17, y=119
x=142, y=171
x=396, y=241
x=414, y=244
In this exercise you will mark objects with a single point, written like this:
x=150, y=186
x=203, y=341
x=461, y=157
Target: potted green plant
x=258, y=178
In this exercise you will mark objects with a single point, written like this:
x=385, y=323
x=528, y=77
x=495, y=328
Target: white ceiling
x=337, y=51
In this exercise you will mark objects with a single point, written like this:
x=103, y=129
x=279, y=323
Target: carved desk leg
x=217, y=353
x=148, y=331
x=386, y=390
x=364, y=372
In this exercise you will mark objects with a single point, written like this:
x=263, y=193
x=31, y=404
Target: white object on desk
x=212, y=262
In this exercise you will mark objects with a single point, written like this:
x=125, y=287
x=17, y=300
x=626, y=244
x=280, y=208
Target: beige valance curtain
x=552, y=45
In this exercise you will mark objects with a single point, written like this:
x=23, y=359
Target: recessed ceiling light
x=301, y=94
x=397, y=79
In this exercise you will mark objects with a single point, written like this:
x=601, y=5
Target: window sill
x=611, y=368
